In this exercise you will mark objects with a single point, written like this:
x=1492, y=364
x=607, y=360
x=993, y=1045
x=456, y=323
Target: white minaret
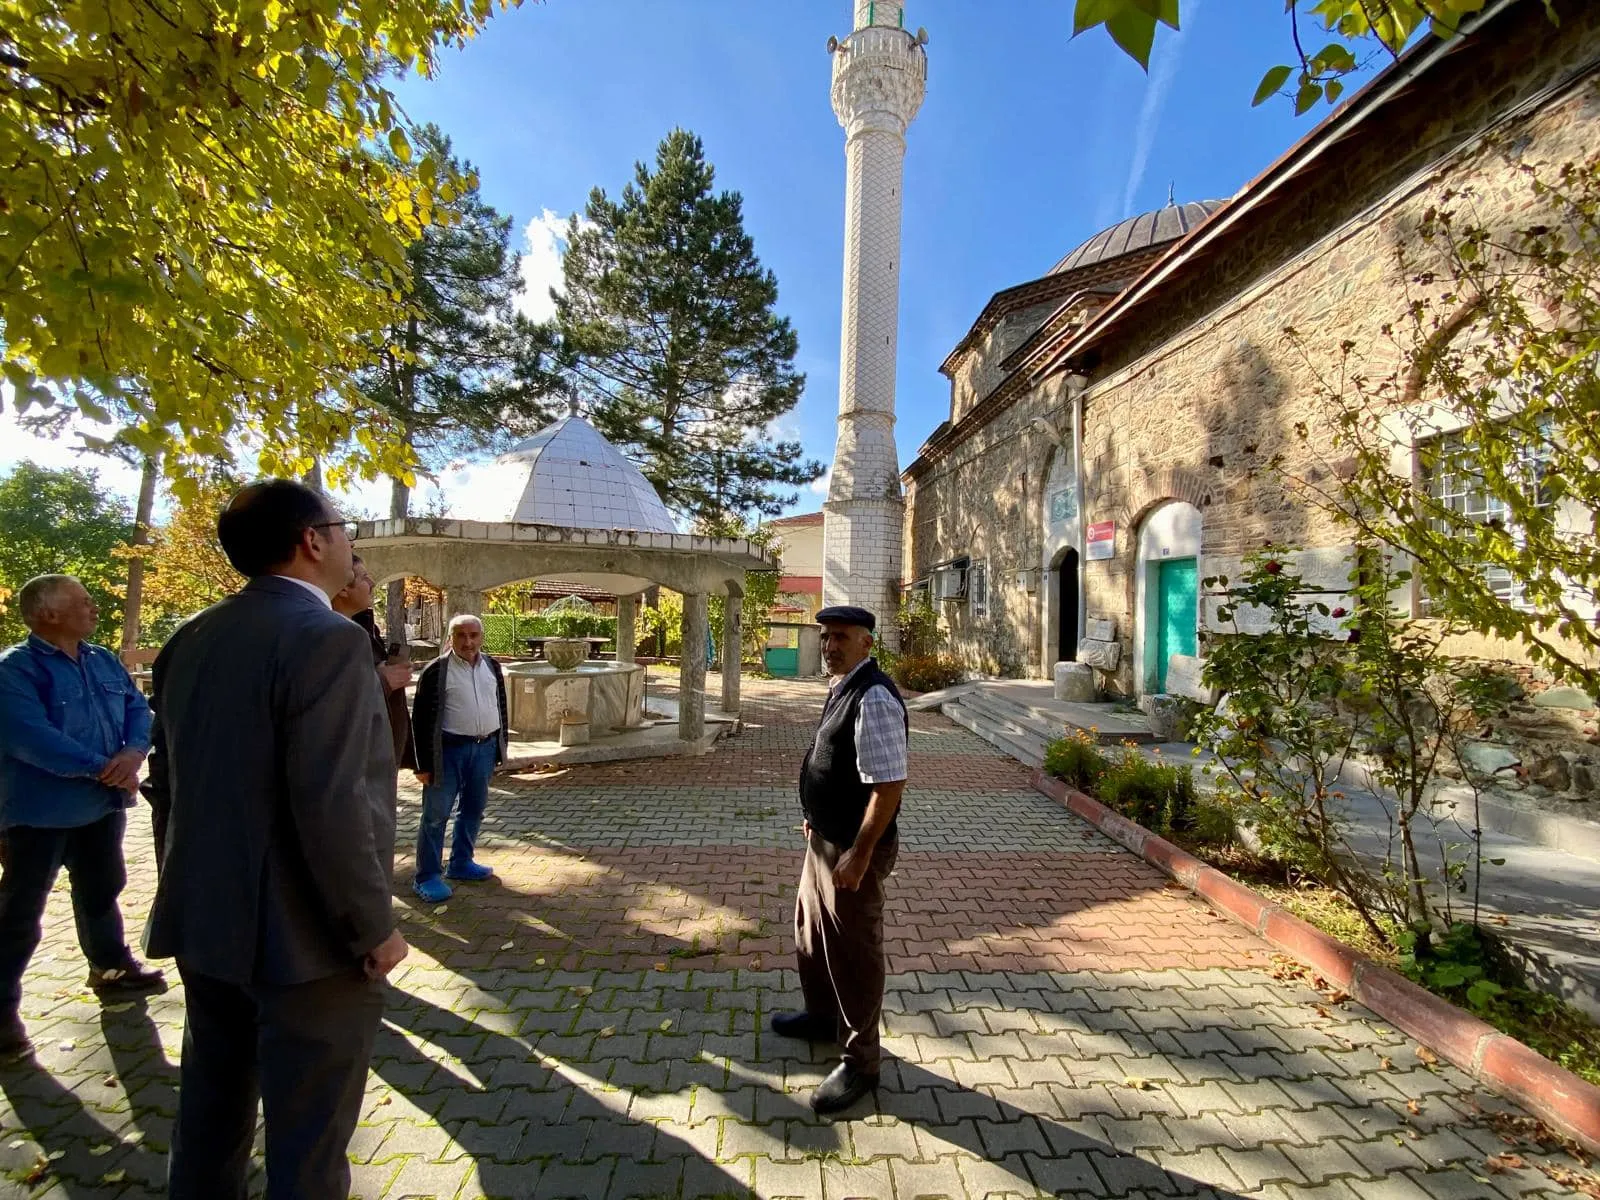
x=879, y=74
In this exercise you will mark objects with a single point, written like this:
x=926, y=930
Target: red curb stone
x=1436, y=1023
x=1180, y=864
x=1328, y=956
x=1564, y=1100
x=1232, y=897
x=1553, y=1094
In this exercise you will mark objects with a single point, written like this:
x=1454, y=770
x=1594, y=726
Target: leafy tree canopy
x=667, y=331
x=61, y=522
x=1331, y=38
x=194, y=226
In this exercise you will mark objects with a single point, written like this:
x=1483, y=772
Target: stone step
x=1021, y=745
x=1002, y=709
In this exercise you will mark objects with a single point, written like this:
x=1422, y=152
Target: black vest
x=831, y=791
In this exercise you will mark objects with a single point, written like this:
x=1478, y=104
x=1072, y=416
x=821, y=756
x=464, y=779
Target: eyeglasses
x=349, y=527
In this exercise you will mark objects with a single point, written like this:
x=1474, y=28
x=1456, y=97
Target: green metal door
x=1178, y=597
x=783, y=660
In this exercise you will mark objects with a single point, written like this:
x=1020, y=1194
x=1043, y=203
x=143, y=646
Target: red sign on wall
x=1101, y=540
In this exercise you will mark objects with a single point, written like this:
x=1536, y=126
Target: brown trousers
x=838, y=937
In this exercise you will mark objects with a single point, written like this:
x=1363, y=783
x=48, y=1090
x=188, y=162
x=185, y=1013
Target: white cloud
x=544, y=241
x=822, y=482
x=1155, y=98
x=57, y=453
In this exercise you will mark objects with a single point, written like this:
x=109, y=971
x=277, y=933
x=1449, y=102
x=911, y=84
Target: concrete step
x=1001, y=709
x=1020, y=744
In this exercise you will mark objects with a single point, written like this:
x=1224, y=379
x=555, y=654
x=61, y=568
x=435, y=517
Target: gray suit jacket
x=273, y=765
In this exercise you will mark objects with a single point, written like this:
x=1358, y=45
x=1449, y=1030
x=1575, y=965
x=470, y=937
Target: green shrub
x=926, y=672
x=1077, y=759
x=1158, y=796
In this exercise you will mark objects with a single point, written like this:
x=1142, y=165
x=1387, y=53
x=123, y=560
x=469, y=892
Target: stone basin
x=609, y=694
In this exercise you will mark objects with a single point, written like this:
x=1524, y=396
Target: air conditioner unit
x=950, y=583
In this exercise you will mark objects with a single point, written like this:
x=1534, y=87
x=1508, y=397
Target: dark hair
x=264, y=521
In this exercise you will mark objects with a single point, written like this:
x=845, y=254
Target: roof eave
x=1401, y=74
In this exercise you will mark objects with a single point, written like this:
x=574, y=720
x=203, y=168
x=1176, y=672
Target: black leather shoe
x=841, y=1089
x=804, y=1026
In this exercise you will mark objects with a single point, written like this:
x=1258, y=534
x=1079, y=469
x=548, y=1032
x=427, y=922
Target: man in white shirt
x=851, y=784
x=459, y=723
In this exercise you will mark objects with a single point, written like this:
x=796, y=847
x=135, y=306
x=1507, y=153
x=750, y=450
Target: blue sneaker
x=434, y=891
x=470, y=872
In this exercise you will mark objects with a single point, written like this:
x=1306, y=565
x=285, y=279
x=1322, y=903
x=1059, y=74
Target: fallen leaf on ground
x=1499, y=1163
x=539, y=962
x=664, y=1026
x=508, y=946
x=110, y=1081
x=1585, y=1183
x=69, y=1045
x=102, y=1149
x=1428, y=1057
x=56, y=1155
x=608, y=1031
x=1386, y=1063
x=1137, y=1084
x=1413, y=1108
x=440, y=909
x=116, y=1176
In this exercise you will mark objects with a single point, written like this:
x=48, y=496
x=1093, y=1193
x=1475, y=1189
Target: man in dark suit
x=273, y=770
x=355, y=602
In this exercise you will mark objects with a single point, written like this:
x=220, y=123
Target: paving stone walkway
x=1060, y=1019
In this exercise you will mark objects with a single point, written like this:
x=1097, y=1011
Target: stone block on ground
x=1103, y=656
x=1486, y=758
x=1564, y=697
x=1074, y=682
x=1184, y=679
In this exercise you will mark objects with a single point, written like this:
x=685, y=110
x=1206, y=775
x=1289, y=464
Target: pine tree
x=461, y=373
x=668, y=334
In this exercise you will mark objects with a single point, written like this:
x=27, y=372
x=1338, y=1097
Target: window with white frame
x=1454, y=479
x=978, y=589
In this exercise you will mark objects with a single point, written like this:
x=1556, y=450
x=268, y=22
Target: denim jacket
x=60, y=721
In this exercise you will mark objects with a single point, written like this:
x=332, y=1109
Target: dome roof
x=574, y=477
x=1138, y=233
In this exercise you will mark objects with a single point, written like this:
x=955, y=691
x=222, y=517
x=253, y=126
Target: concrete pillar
x=732, y=652
x=458, y=600
x=692, y=668
x=627, y=615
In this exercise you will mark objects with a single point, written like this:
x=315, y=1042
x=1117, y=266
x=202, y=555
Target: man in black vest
x=850, y=787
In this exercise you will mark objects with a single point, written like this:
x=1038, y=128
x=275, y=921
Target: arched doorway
x=1066, y=589
x=1167, y=586
x=1060, y=595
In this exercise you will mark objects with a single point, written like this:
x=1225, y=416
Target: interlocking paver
x=1066, y=1021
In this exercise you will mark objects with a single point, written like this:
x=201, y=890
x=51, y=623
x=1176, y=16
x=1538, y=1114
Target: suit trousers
x=302, y=1050
x=838, y=938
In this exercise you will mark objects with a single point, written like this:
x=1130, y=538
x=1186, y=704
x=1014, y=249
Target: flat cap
x=847, y=614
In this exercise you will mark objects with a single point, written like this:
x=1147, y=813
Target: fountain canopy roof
x=575, y=478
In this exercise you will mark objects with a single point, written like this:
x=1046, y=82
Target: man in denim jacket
x=74, y=732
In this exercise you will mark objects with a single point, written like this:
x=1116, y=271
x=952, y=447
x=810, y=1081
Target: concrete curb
x=1502, y=1063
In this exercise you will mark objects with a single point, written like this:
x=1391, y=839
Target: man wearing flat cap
x=850, y=787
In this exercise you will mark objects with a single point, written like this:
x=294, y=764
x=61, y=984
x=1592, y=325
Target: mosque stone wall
x=1198, y=401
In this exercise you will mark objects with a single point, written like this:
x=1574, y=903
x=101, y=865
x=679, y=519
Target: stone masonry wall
x=1196, y=409
x=1203, y=417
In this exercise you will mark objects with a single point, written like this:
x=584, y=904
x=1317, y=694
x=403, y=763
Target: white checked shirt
x=880, y=733
x=471, y=704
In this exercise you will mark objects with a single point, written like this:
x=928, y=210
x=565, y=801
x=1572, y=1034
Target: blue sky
x=1028, y=143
